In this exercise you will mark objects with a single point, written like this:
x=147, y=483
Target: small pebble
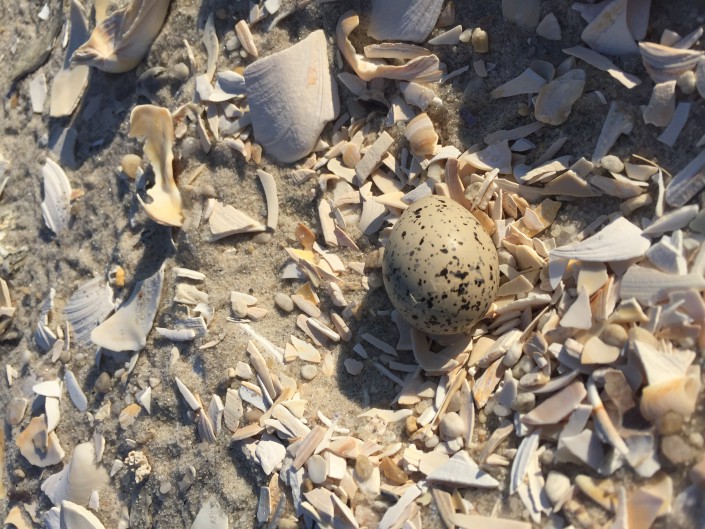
x=309, y=372
x=670, y=423
x=615, y=335
x=103, y=383
x=465, y=36
x=18, y=473
x=189, y=147
x=317, y=469
x=557, y=486
x=411, y=425
x=480, y=40
x=129, y=165
x=392, y=471
x=524, y=402
x=164, y=487
x=523, y=109
x=180, y=72
x=232, y=44
x=696, y=439
x=612, y=163
x=288, y=523
x=451, y=426
x=253, y=415
x=687, y=82
x=432, y=442
x=676, y=450
x=363, y=467
x=353, y=367
x=284, y=302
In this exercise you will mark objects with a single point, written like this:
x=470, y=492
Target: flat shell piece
x=40, y=448
x=56, y=206
x=618, y=241
x=649, y=286
x=617, y=122
x=662, y=104
x=688, y=182
x=226, y=220
x=70, y=82
x=287, y=122
x=127, y=329
x=671, y=221
x=408, y=20
x=558, y=407
x=211, y=516
x=89, y=305
x=119, y=42
x=75, y=392
x=601, y=62
x=422, y=69
x=78, y=479
x=527, y=82
x=210, y=41
x=269, y=185
x=608, y=32
x=461, y=471
x=154, y=124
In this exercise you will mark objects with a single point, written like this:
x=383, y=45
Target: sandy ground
x=109, y=228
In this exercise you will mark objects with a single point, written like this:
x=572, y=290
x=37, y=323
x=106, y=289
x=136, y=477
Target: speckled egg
x=440, y=267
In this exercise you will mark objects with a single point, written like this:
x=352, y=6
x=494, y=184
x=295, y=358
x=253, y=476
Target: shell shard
x=555, y=100
x=70, y=82
x=292, y=96
x=127, y=329
x=211, y=516
x=608, y=32
x=687, y=183
x=88, y=307
x=56, y=206
x=120, y=41
x=78, y=479
x=407, y=20
x=618, y=241
x=77, y=517
x=154, y=124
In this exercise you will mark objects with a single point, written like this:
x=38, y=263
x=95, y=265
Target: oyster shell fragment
x=292, y=96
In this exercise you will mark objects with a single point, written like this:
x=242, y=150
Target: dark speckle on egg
x=440, y=267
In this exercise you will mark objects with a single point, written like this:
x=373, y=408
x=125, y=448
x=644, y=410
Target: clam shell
x=127, y=329
x=292, y=96
x=119, y=42
x=665, y=63
x=407, y=20
x=88, y=307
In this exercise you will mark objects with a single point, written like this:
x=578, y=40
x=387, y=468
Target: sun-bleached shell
x=78, y=479
x=407, y=20
x=120, y=41
x=77, y=517
x=555, y=100
x=461, y=471
x=618, y=241
x=70, y=82
x=88, y=306
x=56, y=206
x=127, y=329
x=662, y=104
x=601, y=62
x=422, y=69
x=617, y=122
x=421, y=135
x=671, y=221
x=527, y=82
x=556, y=407
x=287, y=122
x=210, y=41
x=687, y=182
x=666, y=63
x=154, y=124
x=211, y=516
x=226, y=220
x=649, y=286
x=608, y=32
x=37, y=454
x=678, y=395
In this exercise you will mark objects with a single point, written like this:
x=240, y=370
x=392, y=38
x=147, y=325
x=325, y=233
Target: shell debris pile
x=523, y=357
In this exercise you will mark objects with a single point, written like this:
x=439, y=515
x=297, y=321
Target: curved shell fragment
x=77, y=517
x=121, y=40
x=154, y=124
x=127, y=329
x=287, y=122
x=408, y=20
x=56, y=206
x=618, y=241
x=88, y=307
x=77, y=479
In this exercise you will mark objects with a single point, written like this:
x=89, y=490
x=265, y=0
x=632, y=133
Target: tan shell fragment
x=556, y=99
x=38, y=447
x=677, y=395
x=120, y=41
x=292, y=96
x=421, y=135
x=154, y=124
x=661, y=105
x=422, y=69
x=70, y=82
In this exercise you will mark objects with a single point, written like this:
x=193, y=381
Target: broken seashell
x=39, y=447
x=687, y=183
x=226, y=220
x=70, y=82
x=242, y=29
x=119, y=42
x=555, y=100
x=421, y=135
x=287, y=123
x=649, y=286
x=407, y=20
x=549, y=28
x=521, y=12
x=666, y=63
x=662, y=104
x=78, y=479
x=421, y=69
x=677, y=395
x=608, y=32
x=211, y=516
x=618, y=241
x=127, y=329
x=56, y=206
x=528, y=82
x=88, y=307
x=77, y=517
x=154, y=125
x=603, y=63
x=617, y=122
x=557, y=407
x=210, y=41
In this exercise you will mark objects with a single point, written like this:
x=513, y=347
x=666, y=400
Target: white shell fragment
x=211, y=516
x=70, y=82
x=687, y=183
x=287, y=122
x=88, y=307
x=78, y=479
x=77, y=517
x=75, y=392
x=56, y=206
x=154, y=125
x=618, y=241
x=609, y=33
x=226, y=220
x=269, y=185
x=127, y=329
x=407, y=20
x=119, y=42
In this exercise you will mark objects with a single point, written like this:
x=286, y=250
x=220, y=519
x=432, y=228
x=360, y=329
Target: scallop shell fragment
x=119, y=42
x=407, y=20
x=292, y=96
x=154, y=124
x=88, y=307
x=618, y=241
x=127, y=329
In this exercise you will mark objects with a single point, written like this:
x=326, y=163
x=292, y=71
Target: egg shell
x=440, y=267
